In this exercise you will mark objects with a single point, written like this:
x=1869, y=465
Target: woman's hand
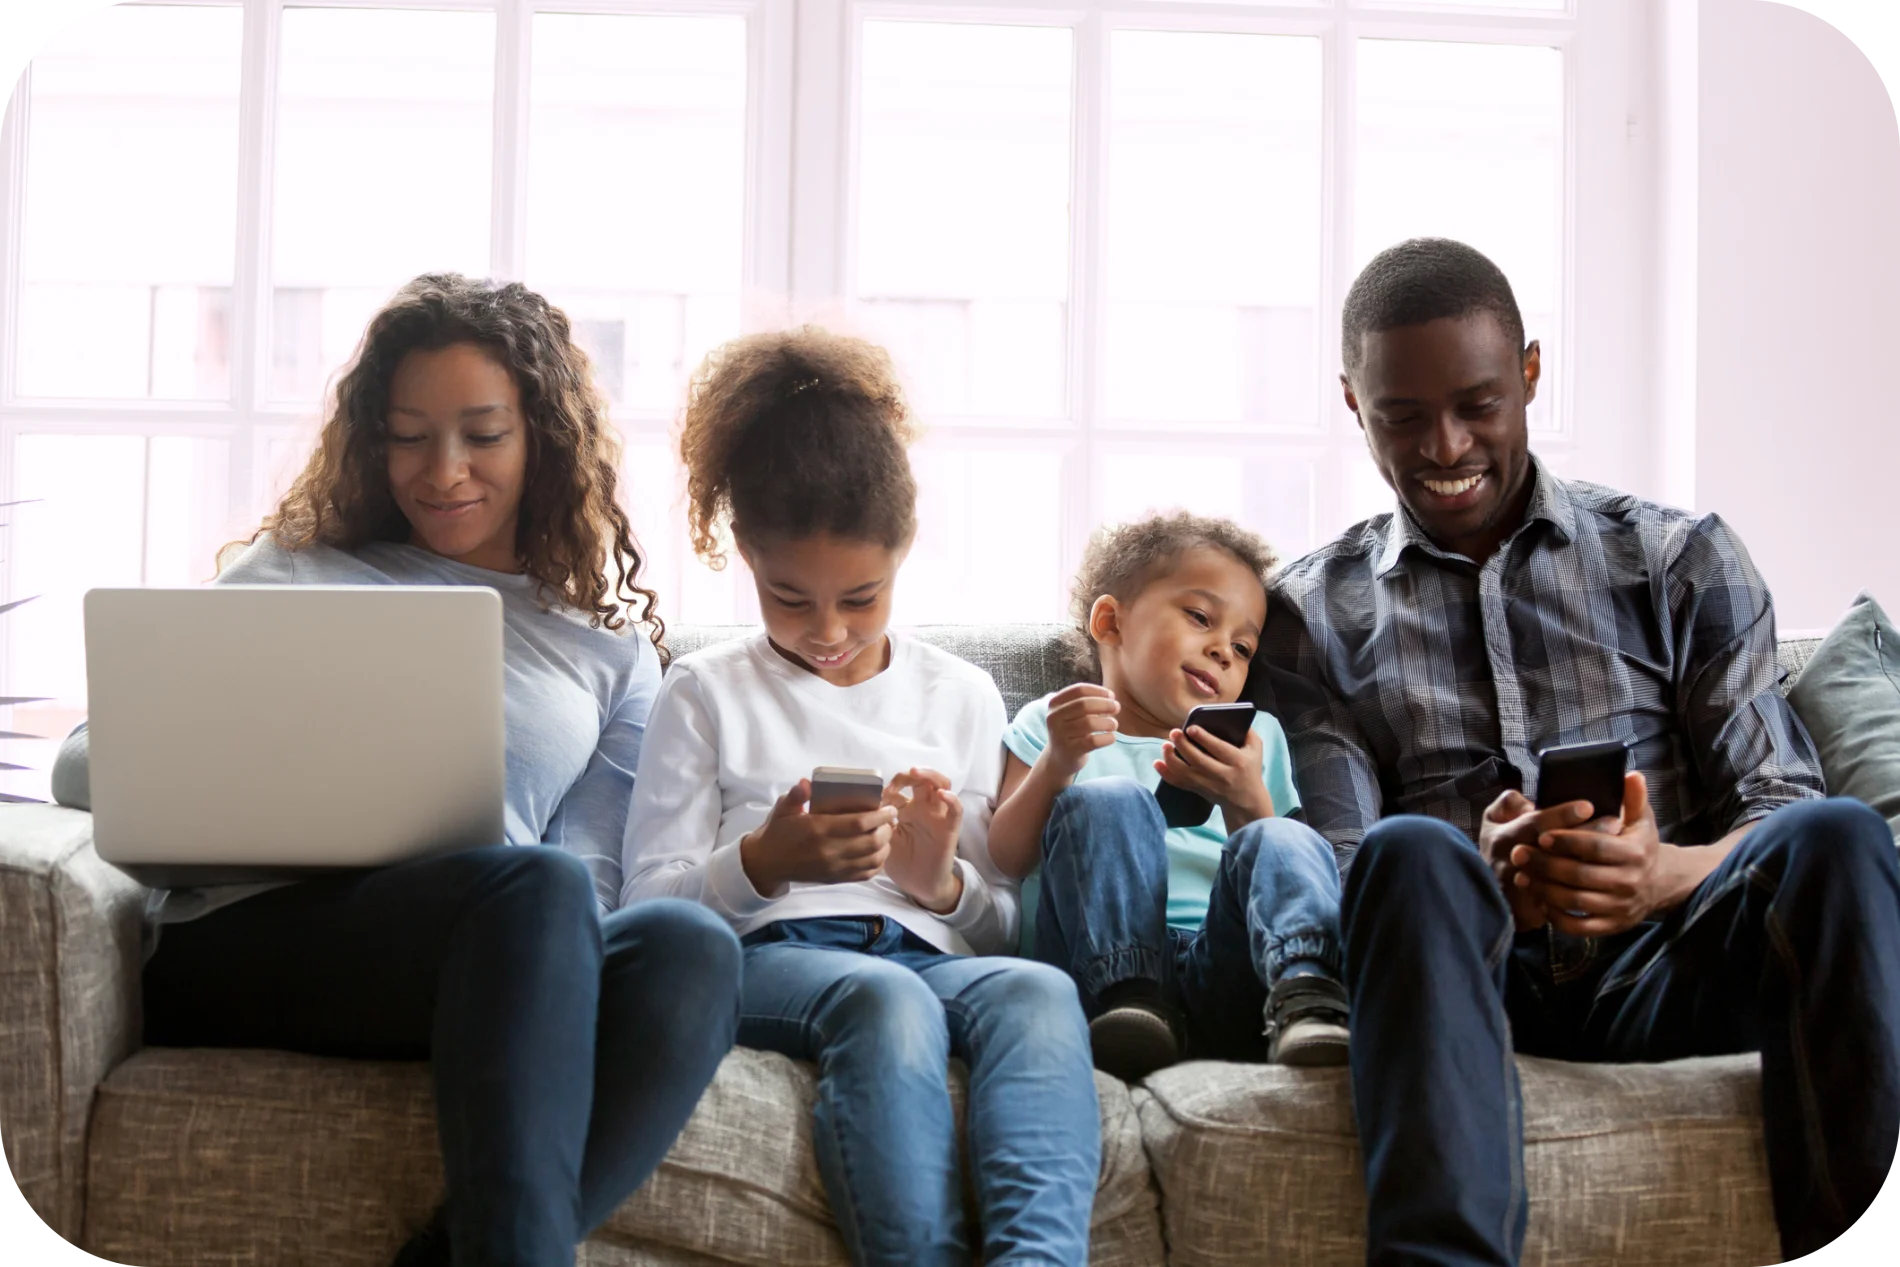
x=1081, y=719
x=793, y=845
x=923, y=853
x=1201, y=761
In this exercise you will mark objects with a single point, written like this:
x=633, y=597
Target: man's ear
x=1105, y=621
x=1352, y=400
x=1533, y=370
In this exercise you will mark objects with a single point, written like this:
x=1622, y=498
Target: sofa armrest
x=71, y=951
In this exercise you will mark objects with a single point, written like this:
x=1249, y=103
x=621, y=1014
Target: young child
x=859, y=928
x=1222, y=938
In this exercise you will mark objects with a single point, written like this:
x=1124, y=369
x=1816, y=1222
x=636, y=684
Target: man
x=1422, y=660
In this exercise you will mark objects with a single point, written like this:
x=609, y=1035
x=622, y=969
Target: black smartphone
x=1227, y=722
x=1590, y=772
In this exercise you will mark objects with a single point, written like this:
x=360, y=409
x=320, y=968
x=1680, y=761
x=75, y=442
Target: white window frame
x=801, y=129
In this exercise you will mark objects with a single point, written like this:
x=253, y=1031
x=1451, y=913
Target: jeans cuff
x=1311, y=947
x=1129, y=963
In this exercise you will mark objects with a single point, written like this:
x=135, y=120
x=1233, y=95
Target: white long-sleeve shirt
x=735, y=725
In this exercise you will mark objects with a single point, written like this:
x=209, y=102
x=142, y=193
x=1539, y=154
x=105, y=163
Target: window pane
x=636, y=190
x=1466, y=141
x=129, y=232
x=973, y=561
x=384, y=128
x=1213, y=228
x=1267, y=492
x=963, y=212
x=652, y=490
x=1530, y=6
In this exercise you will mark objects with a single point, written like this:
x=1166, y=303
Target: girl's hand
x=793, y=845
x=923, y=853
x=1081, y=719
x=1228, y=776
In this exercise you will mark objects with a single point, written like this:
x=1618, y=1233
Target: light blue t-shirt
x=1193, y=852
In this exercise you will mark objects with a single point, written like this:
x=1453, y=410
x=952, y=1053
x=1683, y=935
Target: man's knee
x=688, y=943
x=1415, y=863
x=1838, y=840
x=541, y=881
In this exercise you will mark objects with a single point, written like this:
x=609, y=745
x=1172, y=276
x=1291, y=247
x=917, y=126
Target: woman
x=467, y=446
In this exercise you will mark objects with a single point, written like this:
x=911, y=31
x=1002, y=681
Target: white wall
x=1797, y=428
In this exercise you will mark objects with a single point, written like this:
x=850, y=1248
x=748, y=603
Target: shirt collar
x=1550, y=502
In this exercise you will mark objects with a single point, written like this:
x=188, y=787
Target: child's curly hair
x=1121, y=560
x=797, y=433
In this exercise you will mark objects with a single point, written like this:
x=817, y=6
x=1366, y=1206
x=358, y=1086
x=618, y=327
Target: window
x=1106, y=243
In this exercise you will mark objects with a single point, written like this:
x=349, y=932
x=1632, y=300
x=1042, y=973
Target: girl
x=858, y=927
x=468, y=446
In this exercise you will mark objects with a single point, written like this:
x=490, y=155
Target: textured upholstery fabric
x=266, y=1157
x=1639, y=1165
x=69, y=1008
x=260, y=1157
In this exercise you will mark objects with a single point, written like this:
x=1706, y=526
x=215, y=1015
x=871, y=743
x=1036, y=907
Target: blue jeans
x=1791, y=947
x=882, y=1011
x=1102, y=914
x=567, y=1052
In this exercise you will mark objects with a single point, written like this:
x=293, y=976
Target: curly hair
x=570, y=524
x=797, y=433
x=1121, y=561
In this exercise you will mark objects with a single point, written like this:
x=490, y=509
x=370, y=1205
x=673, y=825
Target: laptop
x=258, y=732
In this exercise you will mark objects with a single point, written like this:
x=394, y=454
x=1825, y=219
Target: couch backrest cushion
x=1027, y=661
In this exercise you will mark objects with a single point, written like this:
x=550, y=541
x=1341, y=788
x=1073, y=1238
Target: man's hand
x=1512, y=822
x=793, y=845
x=1607, y=876
x=1228, y=776
x=923, y=855
x=1081, y=719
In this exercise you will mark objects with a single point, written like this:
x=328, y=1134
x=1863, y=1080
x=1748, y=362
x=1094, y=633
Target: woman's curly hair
x=797, y=433
x=569, y=525
x=1121, y=561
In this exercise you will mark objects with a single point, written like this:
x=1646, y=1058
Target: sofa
x=188, y=1157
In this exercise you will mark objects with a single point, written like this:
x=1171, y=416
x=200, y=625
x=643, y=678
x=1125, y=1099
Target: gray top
x=575, y=698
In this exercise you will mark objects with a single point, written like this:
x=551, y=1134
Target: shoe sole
x=1320, y=1046
x=1131, y=1043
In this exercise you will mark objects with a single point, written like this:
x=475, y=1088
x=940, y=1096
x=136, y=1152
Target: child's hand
x=923, y=853
x=793, y=845
x=1228, y=776
x=1081, y=719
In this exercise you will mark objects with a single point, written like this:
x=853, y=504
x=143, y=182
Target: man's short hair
x=1420, y=280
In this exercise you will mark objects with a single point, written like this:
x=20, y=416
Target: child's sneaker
x=1136, y=1032
x=1306, y=1022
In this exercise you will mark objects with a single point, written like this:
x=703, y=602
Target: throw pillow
x=1848, y=696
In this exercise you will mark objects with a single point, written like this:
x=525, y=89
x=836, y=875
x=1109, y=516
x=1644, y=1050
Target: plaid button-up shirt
x=1413, y=681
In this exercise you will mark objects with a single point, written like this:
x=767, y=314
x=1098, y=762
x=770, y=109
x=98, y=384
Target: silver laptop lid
x=242, y=726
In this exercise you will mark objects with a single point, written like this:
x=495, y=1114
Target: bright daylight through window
x=1105, y=246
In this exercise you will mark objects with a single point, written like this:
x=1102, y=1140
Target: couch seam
x=1212, y=1126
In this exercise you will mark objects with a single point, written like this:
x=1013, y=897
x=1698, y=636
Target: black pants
x=566, y=1051
x=1790, y=947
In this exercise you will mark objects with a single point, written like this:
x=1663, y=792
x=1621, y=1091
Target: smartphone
x=838, y=789
x=1590, y=772
x=1227, y=722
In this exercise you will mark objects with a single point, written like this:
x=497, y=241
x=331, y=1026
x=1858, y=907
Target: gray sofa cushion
x=252, y=1156
x=1638, y=1165
x=1849, y=699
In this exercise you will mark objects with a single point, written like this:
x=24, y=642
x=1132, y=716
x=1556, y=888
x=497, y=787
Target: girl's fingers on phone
x=1214, y=746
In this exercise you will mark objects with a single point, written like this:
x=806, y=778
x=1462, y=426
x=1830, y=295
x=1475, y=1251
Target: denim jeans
x=1791, y=947
x=567, y=1052
x=1102, y=913
x=881, y=1011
